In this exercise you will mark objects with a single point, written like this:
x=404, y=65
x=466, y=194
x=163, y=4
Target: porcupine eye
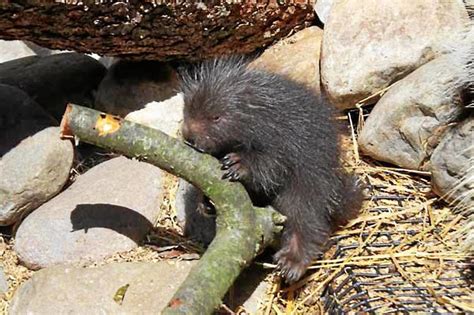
x=216, y=118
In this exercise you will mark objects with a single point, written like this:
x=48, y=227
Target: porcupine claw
x=231, y=164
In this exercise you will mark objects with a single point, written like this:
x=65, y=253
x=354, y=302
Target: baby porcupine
x=280, y=141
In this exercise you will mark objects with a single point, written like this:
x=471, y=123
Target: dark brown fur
x=280, y=140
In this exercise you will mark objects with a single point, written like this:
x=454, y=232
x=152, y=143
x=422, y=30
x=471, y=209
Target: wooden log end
x=65, y=130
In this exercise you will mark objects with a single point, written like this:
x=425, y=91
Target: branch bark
x=242, y=230
x=156, y=30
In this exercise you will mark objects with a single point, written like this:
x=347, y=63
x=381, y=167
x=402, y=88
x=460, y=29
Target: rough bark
x=242, y=230
x=158, y=30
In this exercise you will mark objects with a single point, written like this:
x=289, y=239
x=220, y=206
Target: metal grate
x=389, y=286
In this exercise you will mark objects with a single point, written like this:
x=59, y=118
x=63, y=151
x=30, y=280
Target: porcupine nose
x=187, y=135
x=191, y=129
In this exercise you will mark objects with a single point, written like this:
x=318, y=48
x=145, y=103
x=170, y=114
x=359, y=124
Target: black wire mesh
x=385, y=286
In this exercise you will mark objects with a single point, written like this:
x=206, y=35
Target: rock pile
x=422, y=122
x=61, y=218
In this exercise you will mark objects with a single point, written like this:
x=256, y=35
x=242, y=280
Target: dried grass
x=15, y=273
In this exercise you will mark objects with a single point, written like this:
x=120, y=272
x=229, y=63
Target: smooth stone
x=410, y=119
x=452, y=165
x=14, y=49
x=32, y=173
x=43, y=51
x=368, y=45
x=20, y=117
x=296, y=57
x=323, y=9
x=166, y=116
x=108, y=209
x=72, y=290
x=54, y=81
x=249, y=290
x=130, y=85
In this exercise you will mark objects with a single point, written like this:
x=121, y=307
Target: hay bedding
x=401, y=255
x=398, y=256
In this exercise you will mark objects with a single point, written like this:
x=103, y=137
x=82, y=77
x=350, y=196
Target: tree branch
x=242, y=230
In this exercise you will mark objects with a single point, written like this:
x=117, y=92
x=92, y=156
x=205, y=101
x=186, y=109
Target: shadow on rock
x=249, y=290
x=122, y=220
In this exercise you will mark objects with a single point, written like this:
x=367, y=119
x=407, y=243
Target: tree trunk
x=154, y=30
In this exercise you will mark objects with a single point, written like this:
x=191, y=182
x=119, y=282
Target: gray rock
x=69, y=290
x=406, y=124
x=55, y=80
x=3, y=282
x=130, y=85
x=108, y=209
x=250, y=290
x=14, y=49
x=166, y=116
x=452, y=164
x=32, y=173
x=20, y=117
x=43, y=51
x=196, y=223
x=296, y=57
x=381, y=43
x=323, y=8
x=107, y=61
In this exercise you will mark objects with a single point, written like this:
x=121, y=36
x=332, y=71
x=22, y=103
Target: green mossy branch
x=242, y=230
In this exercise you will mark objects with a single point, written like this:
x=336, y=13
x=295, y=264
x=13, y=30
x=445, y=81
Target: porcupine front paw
x=234, y=170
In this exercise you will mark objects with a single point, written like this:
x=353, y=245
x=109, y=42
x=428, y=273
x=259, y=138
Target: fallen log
x=242, y=230
x=154, y=30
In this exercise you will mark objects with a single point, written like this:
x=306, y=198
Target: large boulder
x=14, y=49
x=108, y=209
x=452, y=164
x=166, y=116
x=146, y=287
x=323, y=9
x=409, y=120
x=32, y=173
x=43, y=51
x=296, y=57
x=130, y=85
x=55, y=80
x=368, y=45
x=20, y=117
